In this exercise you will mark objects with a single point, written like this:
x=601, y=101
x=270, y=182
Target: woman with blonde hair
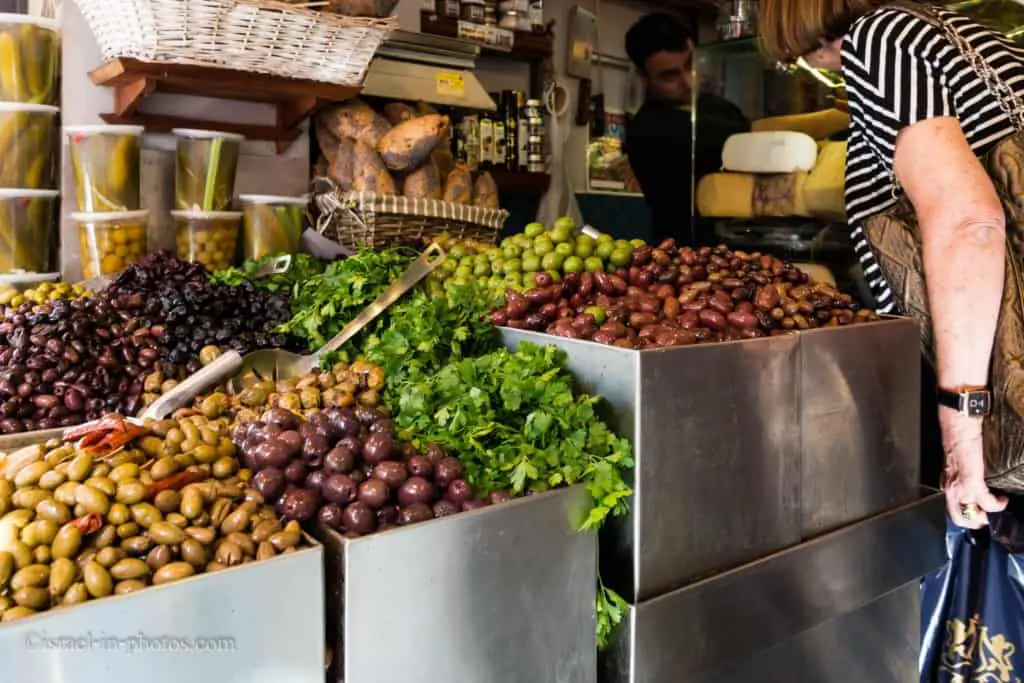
x=934, y=170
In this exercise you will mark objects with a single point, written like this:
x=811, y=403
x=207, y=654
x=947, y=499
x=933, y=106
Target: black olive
x=314, y=449
x=391, y=472
x=315, y=480
x=384, y=425
x=379, y=447
x=459, y=491
x=331, y=515
x=435, y=453
x=367, y=416
x=339, y=460
x=269, y=482
x=388, y=514
x=357, y=517
x=447, y=470
x=296, y=471
x=292, y=440
x=420, y=466
x=444, y=508
x=498, y=497
x=415, y=490
x=415, y=513
x=471, y=505
x=353, y=443
x=339, y=488
x=285, y=419
x=374, y=493
x=300, y=504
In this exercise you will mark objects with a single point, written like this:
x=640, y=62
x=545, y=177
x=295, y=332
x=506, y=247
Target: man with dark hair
x=659, y=139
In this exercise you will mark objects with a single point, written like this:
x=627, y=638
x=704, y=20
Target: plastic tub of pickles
x=205, y=166
x=29, y=59
x=27, y=135
x=27, y=229
x=208, y=237
x=109, y=242
x=272, y=225
x=105, y=162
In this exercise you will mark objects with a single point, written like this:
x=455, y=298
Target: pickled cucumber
x=273, y=225
x=27, y=145
x=205, y=167
x=105, y=162
x=27, y=230
x=208, y=238
x=110, y=242
x=29, y=61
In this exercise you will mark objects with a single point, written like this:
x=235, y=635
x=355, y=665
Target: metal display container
x=260, y=622
x=843, y=607
x=504, y=594
x=745, y=448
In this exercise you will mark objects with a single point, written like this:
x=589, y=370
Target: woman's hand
x=968, y=498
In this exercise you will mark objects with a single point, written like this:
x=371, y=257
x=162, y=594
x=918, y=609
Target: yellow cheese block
x=823, y=191
x=726, y=195
x=819, y=124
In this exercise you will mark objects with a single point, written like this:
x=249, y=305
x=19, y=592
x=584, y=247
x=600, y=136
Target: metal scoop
x=275, y=364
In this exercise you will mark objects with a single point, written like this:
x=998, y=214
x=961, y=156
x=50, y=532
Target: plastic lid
x=41, y=22
x=25, y=106
x=102, y=129
x=208, y=215
x=14, y=193
x=272, y=199
x=83, y=217
x=206, y=134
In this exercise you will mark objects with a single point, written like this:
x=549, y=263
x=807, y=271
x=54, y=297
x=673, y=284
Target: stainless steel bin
x=746, y=448
x=504, y=594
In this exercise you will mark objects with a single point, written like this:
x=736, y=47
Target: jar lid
x=206, y=134
x=16, y=193
x=110, y=217
x=27, y=107
x=103, y=129
x=272, y=199
x=208, y=215
x=41, y=22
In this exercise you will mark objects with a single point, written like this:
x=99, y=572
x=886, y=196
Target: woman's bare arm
x=963, y=235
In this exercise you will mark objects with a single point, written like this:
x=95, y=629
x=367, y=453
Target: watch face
x=978, y=403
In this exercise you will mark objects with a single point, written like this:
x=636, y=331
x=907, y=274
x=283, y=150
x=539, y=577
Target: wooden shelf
x=526, y=46
x=520, y=184
x=133, y=81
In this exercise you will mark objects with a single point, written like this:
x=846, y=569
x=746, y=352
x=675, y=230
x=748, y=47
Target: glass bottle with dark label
x=517, y=150
x=486, y=139
x=498, y=149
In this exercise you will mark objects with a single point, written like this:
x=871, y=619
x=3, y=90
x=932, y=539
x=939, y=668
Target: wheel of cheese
x=770, y=152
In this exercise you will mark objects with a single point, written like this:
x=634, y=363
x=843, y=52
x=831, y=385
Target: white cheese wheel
x=774, y=152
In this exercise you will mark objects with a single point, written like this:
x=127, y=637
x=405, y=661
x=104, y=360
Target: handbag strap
x=1009, y=101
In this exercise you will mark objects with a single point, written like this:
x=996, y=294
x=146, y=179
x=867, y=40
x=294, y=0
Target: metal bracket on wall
x=295, y=100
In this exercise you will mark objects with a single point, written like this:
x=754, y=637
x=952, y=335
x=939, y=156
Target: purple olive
x=353, y=443
x=306, y=430
x=374, y=493
x=391, y=472
x=271, y=453
x=420, y=466
x=447, y=470
x=435, y=453
x=339, y=460
x=285, y=419
x=314, y=449
x=299, y=504
x=315, y=480
x=459, y=491
x=339, y=488
x=359, y=518
x=471, y=505
x=498, y=497
x=444, y=508
x=269, y=482
x=240, y=434
x=387, y=514
x=366, y=415
x=415, y=513
x=379, y=447
x=346, y=424
x=415, y=490
x=295, y=472
x=331, y=515
x=384, y=425
x=358, y=475
x=292, y=440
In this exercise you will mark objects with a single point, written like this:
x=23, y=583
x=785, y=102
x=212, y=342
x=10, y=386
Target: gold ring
x=969, y=510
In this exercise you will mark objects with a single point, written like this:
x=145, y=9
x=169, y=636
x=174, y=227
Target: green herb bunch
x=303, y=267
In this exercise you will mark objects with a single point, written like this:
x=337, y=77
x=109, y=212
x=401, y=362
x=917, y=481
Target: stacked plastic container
x=111, y=225
x=205, y=168
x=29, y=93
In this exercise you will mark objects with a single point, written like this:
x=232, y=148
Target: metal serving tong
x=275, y=364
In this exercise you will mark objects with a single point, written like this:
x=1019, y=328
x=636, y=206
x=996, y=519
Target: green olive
x=15, y=613
x=39, y=532
x=128, y=470
x=106, y=536
x=119, y=514
x=42, y=554
x=97, y=580
x=80, y=467
x=145, y=515
x=104, y=484
x=53, y=510
x=6, y=569
x=224, y=468
x=65, y=493
x=130, y=492
x=21, y=553
x=31, y=596
x=265, y=551
x=76, y=594
x=110, y=556
x=208, y=354
x=204, y=454
x=62, y=575
x=67, y=542
x=173, y=572
x=30, y=474
x=177, y=519
x=127, y=530
x=136, y=545
x=29, y=498
x=283, y=540
x=52, y=479
x=93, y=501
x=167, y=501
x=163, y=468
x=129, y=568
x=166, y=533
x=193, y=552
x=159, y=556
x=32, y=575
x=204, y=535
x=129, y=586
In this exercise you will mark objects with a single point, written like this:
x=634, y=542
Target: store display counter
x=746, y=448
x=843, y=607
x=504, y=595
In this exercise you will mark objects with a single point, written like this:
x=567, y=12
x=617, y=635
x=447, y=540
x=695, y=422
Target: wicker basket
x=354, y=219
x=247, y=35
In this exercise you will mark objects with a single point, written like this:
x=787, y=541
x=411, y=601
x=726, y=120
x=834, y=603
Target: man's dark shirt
x=659, y=140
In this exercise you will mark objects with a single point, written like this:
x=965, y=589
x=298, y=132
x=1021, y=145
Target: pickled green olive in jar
x=109, y=242
x=208, y=238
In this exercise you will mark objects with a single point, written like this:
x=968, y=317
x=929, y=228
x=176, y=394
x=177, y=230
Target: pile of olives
x=40, y=294
x=346, y=469
x=75, y=528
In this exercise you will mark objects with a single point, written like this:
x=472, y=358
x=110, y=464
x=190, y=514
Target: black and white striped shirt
x=900, y=69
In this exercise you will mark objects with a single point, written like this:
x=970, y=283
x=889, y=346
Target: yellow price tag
x=450, y=84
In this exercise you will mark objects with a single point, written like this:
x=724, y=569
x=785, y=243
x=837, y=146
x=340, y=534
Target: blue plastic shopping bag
x=972, y=610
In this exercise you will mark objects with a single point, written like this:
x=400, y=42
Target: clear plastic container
x=109, y=242
x=208, y=237
x=273, y=225
x=205, y=167
x=27, y=149
x=29, y=59
x=28, y=230
x=105, y=162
